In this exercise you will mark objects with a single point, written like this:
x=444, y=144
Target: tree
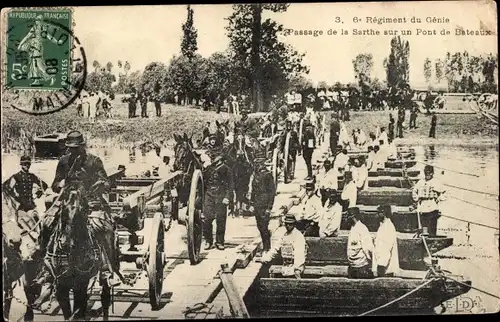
x=428, y=71
x=397, y=65
x=187, y=77
x=126, y=67
x=323, y=84
x=439, y=70
x=490, y=69
x=154, y=81
x=189, y=44
x=267, y=63
x=96, y=65
x=109, y=66
x=363, y=65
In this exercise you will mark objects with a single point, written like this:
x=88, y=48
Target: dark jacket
x=308, y=135
x=219, y=181
x=20, y=187
x=88, y=169
x=263, y=190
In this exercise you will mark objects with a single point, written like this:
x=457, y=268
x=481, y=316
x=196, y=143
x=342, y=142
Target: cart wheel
x=156, y=260
x=194, y=213
x=275, y=166
x=286, y=157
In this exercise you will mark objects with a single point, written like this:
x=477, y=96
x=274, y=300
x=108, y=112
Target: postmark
x=45, y=64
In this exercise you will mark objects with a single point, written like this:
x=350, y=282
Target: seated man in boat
x=331, y=218
x=359, y=247
x=329, y=181
x=349, y=194
x=386, y=255
x=383, y=136
x=310, y=213
x=378, y=159
x=384, y=150
x=360, y=138
x=427, y=193
x=360, y=172
x=291, y=245
x=341, y=161
x=370, y=157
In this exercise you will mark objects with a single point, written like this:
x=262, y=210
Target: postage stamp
x=38, y=49
x=44, y=64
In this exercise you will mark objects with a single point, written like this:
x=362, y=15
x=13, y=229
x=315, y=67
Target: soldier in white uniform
x=291, y=245
x=331, y=218
x=386, y=255
x=310, y=213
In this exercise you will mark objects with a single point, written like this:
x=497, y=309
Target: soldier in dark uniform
x=432, y=131
x=391, y=129
x=292, y=150
x=243, y=123
x=144, y=106
x=308, y=146
x=88, y=170
x=334, y=133
x=158, y=108
x=132, y=105
x=218, y=193
x=263, y=191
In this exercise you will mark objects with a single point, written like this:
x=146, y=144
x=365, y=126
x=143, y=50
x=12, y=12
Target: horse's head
x=183, y=153
x=11, y=232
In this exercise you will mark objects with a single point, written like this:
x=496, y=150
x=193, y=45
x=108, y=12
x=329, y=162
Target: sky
x=142, y=34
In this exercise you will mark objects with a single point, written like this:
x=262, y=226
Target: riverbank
x=19, y=129
x=452, y=129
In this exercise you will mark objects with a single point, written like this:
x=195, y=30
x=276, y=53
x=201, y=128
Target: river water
x=475, y=250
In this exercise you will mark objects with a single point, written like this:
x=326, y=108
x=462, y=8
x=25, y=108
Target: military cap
x=309, y=186
x=290, y=219
x=385, y=209
x=428, y=169
x=25, y=159
x=74, y=139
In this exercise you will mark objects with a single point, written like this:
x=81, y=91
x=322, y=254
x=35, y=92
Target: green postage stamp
x=38, y=49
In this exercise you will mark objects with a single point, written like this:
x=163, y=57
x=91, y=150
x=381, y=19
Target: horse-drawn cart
x=135, y=199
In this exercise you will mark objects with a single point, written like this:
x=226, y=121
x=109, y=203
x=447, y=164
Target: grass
x=118, y=131
x=126, y=132
x=450, y=127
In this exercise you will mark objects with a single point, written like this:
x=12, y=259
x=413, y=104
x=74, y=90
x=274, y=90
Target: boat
x=386, y=182
x=327, y=291
x=391, y=173
x=385, y=195
x=401, y=155
x=405, y=219
x=399, y=164
x=50, y=145
x=412, y=252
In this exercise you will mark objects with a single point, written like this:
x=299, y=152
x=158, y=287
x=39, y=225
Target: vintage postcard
x=250, y=160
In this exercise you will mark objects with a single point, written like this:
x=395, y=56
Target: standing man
x=413, y=117
x=432, y=131
x=263, y=191
x=390, y=137
x=349, y=194
x=78, y=166
x=218, y=193
x=401, y=120
x=292, y=247
x=427, y=193
x=293, y=148
x=308, y=146
x=386, y=255
x=144, y=105
x=158, y=108
x=132, y=106
x=359, y=247
x=334, y=134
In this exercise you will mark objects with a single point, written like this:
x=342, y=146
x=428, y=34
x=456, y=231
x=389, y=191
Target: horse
x=72, y=257
x=240, y=157
x=21, y=256
x=185, y=160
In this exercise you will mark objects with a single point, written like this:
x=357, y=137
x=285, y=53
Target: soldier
x=131, y=105
x=263, y=191
x=158, y=108
x=311, y=212
x=432, y=131
x=79, y=166
x=308, y=146
x=218, y=193
x=292, y=247
x=20, y=187
x=144, y=105
x=242, y=124
x=292, y=150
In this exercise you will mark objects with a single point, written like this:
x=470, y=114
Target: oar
x=455, y=171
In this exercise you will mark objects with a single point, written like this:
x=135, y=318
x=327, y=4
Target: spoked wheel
x=156, y=260
x=275, y=166
x=194, y=213
x=286, y=156
x=301, y=129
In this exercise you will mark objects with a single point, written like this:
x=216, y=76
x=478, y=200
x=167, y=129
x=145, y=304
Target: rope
x=470, y=222
x=472, y=287
x=474, y=204
x=460, y=172
x=472, y=190
x=399, y=298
